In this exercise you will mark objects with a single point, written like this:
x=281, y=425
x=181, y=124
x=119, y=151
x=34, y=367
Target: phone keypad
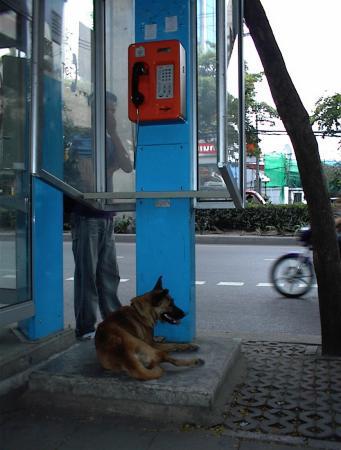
x=164, y=81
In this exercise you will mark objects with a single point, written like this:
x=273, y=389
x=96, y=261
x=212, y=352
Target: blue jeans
x=96, y=276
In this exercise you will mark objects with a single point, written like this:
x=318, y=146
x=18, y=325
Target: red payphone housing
x=157, y=81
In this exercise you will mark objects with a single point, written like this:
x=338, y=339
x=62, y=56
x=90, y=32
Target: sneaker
x=87, y=336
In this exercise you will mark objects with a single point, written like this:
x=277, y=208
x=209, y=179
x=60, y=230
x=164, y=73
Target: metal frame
x=99, y=24
x=194, y=88
x=223, y=165
x=203, y=199
x=156, y=194
x=15, y=312
x=37, y=33
x=241, y=86
x=236, y=192
x=99, y=123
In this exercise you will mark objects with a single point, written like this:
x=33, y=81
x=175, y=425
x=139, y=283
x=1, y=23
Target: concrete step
x=19, y=356
x=75, y=383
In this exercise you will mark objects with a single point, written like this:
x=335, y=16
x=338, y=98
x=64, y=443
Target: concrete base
x=75, y=382
x=19, y=356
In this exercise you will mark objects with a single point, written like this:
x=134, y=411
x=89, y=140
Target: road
x=233, y=292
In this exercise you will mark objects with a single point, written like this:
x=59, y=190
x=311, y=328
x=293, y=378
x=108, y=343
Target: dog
x=125, y=342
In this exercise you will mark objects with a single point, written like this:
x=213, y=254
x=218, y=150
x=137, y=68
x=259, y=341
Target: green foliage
x=333, y=177
x=282, y=218
x=327, y=115
x=259, y=218
x=124, y=224
x=255, y=112
x=207, y=117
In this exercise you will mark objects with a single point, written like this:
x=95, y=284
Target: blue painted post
x=47, y=225
x=47, y=262
x=165, y=231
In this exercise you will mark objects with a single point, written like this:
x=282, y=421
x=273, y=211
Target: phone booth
x=164, y=104
x=58, y=65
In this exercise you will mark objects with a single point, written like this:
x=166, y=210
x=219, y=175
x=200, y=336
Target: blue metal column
x=165, y=232
x=47, y=262
x=47, y=224
x=47, y=201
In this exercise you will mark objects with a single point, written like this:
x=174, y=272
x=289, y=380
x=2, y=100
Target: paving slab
x=75, y=381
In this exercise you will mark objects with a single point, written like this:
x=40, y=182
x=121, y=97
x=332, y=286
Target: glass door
x=15, y=81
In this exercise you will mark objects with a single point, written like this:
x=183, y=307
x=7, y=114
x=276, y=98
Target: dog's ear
x=158, y=296
x=158, y=285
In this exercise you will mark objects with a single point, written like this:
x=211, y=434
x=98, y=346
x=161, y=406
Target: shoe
x=87, y=336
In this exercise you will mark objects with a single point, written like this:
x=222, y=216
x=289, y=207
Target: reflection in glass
x=78, y=95
x=232, y=121
x=15, y=58
x=119, y=34
x=209, y=175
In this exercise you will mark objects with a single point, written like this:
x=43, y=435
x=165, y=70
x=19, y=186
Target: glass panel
x=119, y=34
x=232, y=121
x=69, y=134
x=78, y=95
x=15, y=56
x=209, y=175
x=68, y=149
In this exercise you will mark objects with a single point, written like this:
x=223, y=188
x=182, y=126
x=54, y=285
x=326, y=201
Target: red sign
x=206, y=148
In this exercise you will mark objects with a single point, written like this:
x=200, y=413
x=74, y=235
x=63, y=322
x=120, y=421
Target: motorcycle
x=292, y=274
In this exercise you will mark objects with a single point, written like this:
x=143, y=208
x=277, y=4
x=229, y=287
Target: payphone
x=157, y=81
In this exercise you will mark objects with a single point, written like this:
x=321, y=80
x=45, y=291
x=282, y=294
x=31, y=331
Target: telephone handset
x=139, y=69
x=157, y=81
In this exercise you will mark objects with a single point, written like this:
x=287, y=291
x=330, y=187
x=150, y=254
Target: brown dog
x=124, y=340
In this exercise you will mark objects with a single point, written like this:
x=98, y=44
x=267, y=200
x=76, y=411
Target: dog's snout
x=178, y=313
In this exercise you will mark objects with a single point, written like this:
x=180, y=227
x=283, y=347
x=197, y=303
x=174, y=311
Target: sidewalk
x=289, y=398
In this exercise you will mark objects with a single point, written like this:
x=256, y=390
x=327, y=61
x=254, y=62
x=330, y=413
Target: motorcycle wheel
x=292, y=275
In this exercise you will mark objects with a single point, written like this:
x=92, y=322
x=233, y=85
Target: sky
x=308, y=35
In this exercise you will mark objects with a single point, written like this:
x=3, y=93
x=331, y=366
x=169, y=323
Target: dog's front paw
x=199, y=362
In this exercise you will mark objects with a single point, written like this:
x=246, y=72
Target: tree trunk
x=297, y=124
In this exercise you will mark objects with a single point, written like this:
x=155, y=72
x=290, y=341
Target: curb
x=219, y=239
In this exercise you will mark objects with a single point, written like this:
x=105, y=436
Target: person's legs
x=85, y=235
x=108, y=277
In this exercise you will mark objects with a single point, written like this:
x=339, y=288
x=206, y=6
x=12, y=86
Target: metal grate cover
x=289, y=389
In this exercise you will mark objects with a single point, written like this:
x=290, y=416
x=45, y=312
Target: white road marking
x=9, y=276
x=269, y=259
x=197, y=282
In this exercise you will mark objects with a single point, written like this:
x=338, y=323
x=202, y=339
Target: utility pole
x=257, y=184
